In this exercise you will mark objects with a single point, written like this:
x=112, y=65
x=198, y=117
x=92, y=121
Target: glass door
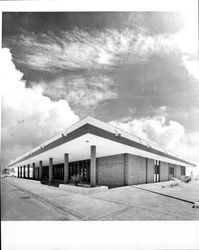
x=156, y=177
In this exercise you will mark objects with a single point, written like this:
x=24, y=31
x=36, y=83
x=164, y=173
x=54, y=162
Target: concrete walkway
x=124, y=203
x=185, y=191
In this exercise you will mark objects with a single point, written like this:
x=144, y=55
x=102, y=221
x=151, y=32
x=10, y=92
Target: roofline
x=85, y=126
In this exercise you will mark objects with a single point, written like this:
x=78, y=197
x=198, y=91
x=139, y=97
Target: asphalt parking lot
x=130, y=203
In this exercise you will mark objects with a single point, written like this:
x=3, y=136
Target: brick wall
x=164, y=171
x=177, y=171
x=126, y=169
x=110, y=170
x=150, y=170
x=136, y=170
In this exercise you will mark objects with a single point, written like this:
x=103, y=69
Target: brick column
x=40, y=170
x=93, y=166
x=66, y=168
x=28, y=167
x=33, y=170
x=50, y=170
x=24, y=172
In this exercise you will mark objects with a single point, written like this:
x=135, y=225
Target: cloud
x=168, y=135
x=28, y=117
x=85, y=91
x=192, y=66
x=155, y=130
x=88, y=49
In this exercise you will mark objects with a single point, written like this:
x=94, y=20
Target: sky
x=135, y=70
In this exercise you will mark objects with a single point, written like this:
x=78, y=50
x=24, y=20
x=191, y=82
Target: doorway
x=171, y=171
x=156, y=176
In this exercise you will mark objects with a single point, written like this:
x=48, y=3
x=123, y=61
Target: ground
x=30, y=200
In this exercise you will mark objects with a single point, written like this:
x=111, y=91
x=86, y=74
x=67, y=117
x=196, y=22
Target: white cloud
x=28, y=117
x=81, y=49
x=192, y=66
x=170, y=136
x=85, y=91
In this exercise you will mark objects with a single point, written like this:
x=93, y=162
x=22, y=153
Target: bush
x=76, y=179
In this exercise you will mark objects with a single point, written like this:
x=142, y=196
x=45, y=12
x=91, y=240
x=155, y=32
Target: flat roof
x=108, y=139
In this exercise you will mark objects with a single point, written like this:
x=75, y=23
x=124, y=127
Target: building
x=102, y=155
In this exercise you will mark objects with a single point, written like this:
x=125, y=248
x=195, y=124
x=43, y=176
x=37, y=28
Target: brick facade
x=164, y=171
x=136, y=170
x=110, y=170
x=128, y=169
x=177, y=171
x=150, y=170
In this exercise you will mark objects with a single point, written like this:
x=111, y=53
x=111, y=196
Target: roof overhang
x=77, y=139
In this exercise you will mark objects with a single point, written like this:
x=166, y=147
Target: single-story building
x=101, y=155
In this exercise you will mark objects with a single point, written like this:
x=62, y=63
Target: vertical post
x=87, y=171
x=146, y=170
x=93, y=165
x=33, y=170
x=40, y=170
x=50, y=170
x=28, y=167
x=66, y=168
x=18, y=172
x=78, y=168
x=82, y=167
x=24, y=171
x=21, y=172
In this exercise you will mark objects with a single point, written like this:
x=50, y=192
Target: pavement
x=17, y=205
x=141, y=202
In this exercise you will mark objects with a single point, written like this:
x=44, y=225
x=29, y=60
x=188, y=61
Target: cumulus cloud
x=28, y=117
x=155, y=130
x=170, y=136
x=192, y=66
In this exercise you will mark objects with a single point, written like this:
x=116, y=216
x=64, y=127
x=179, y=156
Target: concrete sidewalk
x=185, y=191
x=124, y=203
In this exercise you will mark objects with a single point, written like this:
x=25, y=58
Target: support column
x=24, y=171
x=50, y=170
x=78, y=168
x=40, y=170
x=66, y=168
x=28, y=167
x=33, y=170
x=87, y=171
x=18, y=172
x=21, y=171
x=93, y=166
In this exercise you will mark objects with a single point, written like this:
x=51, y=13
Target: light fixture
x=117, y=132
x=64, y=134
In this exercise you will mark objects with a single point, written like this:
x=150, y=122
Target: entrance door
x=171, y=171
x=156, y=177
